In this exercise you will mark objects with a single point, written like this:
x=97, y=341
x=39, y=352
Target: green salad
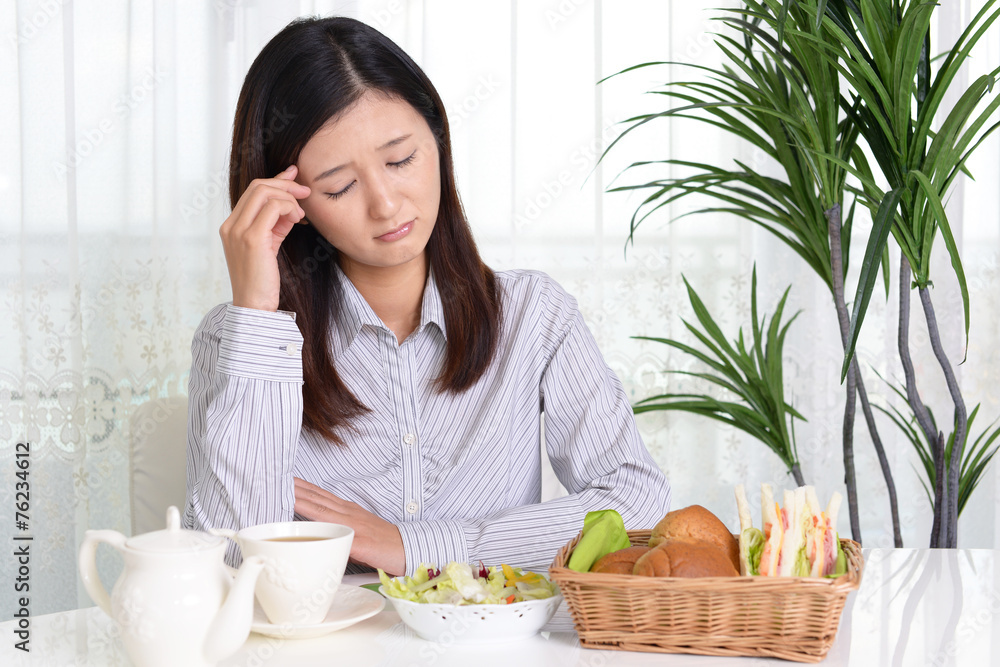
x=462, y=584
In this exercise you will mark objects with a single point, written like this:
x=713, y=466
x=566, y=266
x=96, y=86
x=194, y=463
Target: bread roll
x=619, y=562
x=685, y=558
x=698, y=524
x=655, y=563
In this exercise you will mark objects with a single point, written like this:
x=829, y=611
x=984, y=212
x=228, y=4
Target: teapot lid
x=174, y=538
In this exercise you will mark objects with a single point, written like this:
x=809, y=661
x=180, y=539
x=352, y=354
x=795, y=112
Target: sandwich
x=797, y=540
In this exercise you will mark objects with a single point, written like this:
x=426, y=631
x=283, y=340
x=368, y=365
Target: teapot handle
x=88, y=565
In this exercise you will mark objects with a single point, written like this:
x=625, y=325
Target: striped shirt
x=458, y=474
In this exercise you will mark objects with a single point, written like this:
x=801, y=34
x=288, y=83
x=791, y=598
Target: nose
x=384, y=199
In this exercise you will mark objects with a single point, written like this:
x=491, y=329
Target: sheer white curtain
x=117, y=120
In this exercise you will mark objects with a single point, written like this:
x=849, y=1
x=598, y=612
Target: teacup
x=304, y=562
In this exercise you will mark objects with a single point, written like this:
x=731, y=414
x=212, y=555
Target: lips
x=397, y=233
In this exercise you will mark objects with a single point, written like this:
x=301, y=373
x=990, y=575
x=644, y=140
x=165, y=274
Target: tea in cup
x=304, y=563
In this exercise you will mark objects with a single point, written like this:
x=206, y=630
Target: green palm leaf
x=749, y=370
x=881, y=226
x=975, y=457
x=884, y=56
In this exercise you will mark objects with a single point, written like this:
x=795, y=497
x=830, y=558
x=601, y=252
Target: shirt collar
x=355, y=313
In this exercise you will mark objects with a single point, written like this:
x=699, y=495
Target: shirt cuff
x=435, y=542
x=261, y=345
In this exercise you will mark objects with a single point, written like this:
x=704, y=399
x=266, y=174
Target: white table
x=915, y=607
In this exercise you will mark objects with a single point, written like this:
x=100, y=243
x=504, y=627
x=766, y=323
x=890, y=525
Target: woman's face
x=375, y=184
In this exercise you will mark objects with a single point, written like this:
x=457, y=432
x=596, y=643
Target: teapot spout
x=231, y=626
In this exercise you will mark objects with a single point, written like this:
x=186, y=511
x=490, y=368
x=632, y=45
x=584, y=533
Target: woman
x=371, y=370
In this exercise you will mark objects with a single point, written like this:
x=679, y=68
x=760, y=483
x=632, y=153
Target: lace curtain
x=113, y=179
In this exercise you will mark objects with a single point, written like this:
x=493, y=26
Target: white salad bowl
x=475, y=623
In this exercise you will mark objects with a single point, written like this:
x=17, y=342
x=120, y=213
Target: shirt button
x=411, y=507
x=291, y=349
x=409, y=438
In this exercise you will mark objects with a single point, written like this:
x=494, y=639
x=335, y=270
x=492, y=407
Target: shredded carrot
x=510, y=599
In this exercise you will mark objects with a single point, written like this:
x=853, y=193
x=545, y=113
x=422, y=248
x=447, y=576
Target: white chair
x=157, y=461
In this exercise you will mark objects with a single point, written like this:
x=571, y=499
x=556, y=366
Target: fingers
x=377, y=543
x=318, y=500
x=311, y=491
x=264, y=205
x=252, y=236
x=315, y=511
x=290, y=173
x=284, y=181
x=309, y=486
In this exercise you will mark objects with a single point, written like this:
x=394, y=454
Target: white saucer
x=350, y=605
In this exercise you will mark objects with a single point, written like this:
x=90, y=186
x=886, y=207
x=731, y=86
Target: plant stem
x=961, y=417
x=883, y=460
x=917, y=405
x=939, y=536
x=837, y=265
x=833, y=216
x=849, y=474
x=797, y=474
x=903, y=340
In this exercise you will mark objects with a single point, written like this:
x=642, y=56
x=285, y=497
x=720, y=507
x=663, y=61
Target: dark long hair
x=312, y=71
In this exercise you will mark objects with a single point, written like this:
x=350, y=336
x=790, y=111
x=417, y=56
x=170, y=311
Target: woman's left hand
x=377, y=543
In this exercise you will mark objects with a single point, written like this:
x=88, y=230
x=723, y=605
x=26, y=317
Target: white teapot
x=176, y=602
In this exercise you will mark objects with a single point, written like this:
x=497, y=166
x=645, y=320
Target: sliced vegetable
x=462, y=584
x=752, y=542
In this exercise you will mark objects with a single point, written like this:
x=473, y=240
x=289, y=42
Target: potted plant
x=819, y=86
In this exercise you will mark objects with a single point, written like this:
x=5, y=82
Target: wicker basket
x=777, y=617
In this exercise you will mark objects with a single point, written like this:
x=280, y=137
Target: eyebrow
x=388, y=144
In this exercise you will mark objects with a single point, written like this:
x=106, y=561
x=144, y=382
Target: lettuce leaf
x=841, y=567
x=464, y=582
x=603, y=532
x=801, y=567
x=752, y=544
x=458, y=584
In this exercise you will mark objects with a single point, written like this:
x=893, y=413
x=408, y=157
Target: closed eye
x=403, y=163
x=337, y=195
